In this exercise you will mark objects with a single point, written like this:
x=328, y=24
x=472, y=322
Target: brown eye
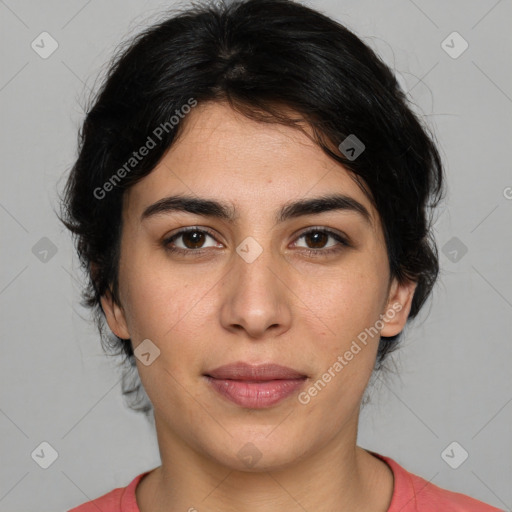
x=317, y=239
x=192, y=240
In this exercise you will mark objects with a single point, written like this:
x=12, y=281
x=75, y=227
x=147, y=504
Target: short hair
x=274, y=61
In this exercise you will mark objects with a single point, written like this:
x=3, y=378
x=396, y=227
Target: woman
x=251, y=202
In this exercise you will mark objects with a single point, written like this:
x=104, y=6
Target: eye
x=318, y=238
x=192, y=240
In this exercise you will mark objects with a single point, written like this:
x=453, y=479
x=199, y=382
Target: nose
x=256, y=297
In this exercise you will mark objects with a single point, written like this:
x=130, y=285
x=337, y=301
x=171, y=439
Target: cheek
x=346, y=352
x=166, y=307
x=346, y=342
x=148, y=297
x=349, y=302
x=164, y=303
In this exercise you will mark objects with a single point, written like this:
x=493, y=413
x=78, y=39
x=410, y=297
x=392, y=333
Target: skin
x=287, y=307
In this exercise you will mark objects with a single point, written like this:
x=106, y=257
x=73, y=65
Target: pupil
x=197, y=239
x=316, y=238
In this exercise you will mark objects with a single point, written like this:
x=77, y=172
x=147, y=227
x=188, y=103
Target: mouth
x=255, y=386
x=251, y=372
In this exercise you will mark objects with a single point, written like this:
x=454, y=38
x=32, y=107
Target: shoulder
x=121, y=499
x=415, y=494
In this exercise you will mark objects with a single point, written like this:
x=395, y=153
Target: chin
x=257, y=453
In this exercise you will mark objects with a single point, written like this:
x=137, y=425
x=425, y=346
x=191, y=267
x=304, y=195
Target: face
x=262, y=284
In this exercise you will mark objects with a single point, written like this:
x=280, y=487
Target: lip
x=255, y=386
x=261, y=372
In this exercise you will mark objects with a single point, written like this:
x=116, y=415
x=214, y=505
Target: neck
x=340, y=476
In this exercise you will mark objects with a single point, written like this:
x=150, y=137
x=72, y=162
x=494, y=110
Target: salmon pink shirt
x=411, y=493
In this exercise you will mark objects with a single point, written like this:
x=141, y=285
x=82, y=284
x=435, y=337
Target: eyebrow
x=224, y=211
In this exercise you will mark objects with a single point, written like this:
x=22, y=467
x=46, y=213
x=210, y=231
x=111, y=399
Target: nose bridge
x=252, y=263
x=256, y=299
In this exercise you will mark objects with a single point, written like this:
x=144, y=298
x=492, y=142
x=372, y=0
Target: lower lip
x=256, y=395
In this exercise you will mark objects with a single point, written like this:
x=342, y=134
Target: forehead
x=223, y=154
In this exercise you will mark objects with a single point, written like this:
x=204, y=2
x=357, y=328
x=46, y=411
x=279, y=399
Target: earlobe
x=398, y=307
x=115, y=316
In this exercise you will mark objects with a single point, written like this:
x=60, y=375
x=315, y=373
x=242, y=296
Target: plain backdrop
x=453, y=381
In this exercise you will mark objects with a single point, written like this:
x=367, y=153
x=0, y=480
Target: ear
x=115, y=316
x=398, y=307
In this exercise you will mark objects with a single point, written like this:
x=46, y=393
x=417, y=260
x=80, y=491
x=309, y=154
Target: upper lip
x=244, y=371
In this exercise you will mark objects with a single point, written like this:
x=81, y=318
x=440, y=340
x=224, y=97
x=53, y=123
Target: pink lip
x=255, y=386
x=245, y=371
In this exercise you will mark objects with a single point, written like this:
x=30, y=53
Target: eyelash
x=310, y=252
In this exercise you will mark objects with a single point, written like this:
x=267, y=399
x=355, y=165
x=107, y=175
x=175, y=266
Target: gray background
x=454, y=381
